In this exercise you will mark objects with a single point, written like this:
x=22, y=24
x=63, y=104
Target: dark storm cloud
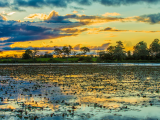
x=41, y=3
x=9, y=48
x=31, y=48
x=25, y=31
x=65, y=3
x=125, y=2
x=4, y=3
x=150, y=18
x=6, y=44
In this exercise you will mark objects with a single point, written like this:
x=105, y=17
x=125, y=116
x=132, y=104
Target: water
x=79, y=92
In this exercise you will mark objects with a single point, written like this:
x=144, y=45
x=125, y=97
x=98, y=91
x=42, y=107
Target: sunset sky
x=92, y=23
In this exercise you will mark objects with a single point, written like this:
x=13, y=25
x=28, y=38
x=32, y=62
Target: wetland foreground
x=79, y=92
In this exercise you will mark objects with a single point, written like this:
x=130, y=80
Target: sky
x=96, y=24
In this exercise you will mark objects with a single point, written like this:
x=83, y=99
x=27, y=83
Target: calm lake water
x=79, y=92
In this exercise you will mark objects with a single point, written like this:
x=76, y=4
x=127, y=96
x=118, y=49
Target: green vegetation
x=113, y=54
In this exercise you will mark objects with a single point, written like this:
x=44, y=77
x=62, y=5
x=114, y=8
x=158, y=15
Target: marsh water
x=79, y=92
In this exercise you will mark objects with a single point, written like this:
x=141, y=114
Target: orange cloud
x=4, y=38
x=38, y=15
x=82, y=19
x=2, y=17
x=111, y=14
x=75, y=11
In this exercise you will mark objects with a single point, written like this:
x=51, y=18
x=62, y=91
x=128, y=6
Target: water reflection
x=78, y=92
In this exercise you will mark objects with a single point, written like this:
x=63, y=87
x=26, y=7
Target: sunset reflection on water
x=70, y=91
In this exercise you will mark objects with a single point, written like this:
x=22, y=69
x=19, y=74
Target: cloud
x=53, y=26
x=14, y=31
x=75, y=12
x=38, y=15
x=31, y=48
x=54, y=17
x=76, y=47
x=113, y=30
x=125, y=2
x=41, y=3
x=5, y=44
x=77, y=8
x=150, y=18
x=109, y=29
x=16, y=8
x=65, y=3
x=74, y=30
x=101, y=47
x=4, y=38
x=111, y=14
x=9, y=48
x=4, y=4
x=7, y=14
x=2, y=17
x=11, y=13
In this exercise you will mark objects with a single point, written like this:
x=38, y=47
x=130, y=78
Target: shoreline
x=70, y=64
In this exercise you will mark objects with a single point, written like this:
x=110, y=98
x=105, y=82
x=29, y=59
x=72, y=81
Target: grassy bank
x=73, y=60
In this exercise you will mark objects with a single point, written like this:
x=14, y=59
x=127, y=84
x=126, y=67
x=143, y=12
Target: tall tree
x=35, y=51
x=155, y=47
x=111, y=49
x=57, y=51
x=129, y=56
x=27, y=55
x=84, y=50
x=67, y=50
x=141, y=51
x=119, y=52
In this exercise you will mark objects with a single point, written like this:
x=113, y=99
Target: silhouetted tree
x=67, y=50
x=57, y=51
x=105, y=56
x=48, y=55
x=129, y=56
x=35, y=51
x=119, y=52
x=111, y=49
x=27, y=54
x=84, y=50
x=154, y=47
x=141, y=51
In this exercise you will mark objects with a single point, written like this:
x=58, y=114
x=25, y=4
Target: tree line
x=140, y=52
x=65, y=51
x=117, y=52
